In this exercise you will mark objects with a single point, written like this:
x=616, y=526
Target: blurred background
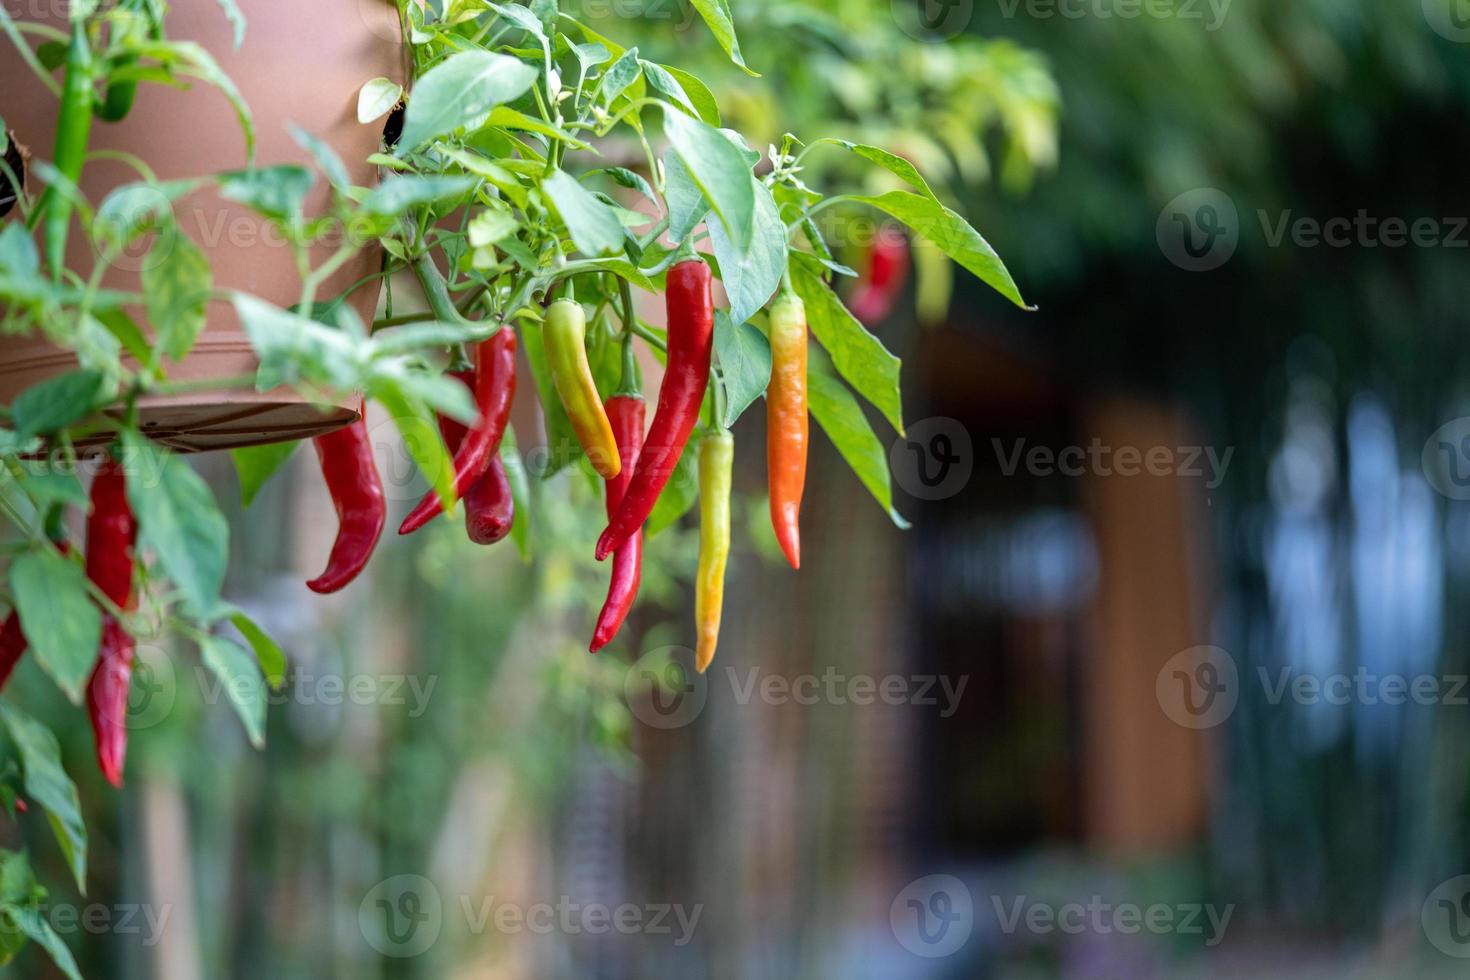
x=1168, y=678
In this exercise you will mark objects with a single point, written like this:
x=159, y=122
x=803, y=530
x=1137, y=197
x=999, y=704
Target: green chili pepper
x=716, y=462
x=73, y=131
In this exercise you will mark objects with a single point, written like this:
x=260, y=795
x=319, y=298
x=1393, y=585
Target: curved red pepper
x=346, y=457
x=111, y=531
x=888, y=271
x=690, y=339
x=495, y=388
x=625, y=412
x=489, y=507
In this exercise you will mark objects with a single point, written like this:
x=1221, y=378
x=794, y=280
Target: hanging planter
x=291, y=70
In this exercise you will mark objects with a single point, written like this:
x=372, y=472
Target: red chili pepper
x=111, y=530
x=346, y=457
x=888, y=271
x=489, y=507
x=13, y=642
x=495, y=387
x=625, y=412
x=690, y=340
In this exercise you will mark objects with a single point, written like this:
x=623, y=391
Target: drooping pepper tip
x=605, y=545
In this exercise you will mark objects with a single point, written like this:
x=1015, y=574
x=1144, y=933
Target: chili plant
x=539, y=176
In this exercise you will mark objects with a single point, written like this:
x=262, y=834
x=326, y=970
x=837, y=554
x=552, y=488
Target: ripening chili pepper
x=716, y=460
x=489, y=507
x=69, y=153
x=786, y=421
x=564, y=333
x=346, y=458
x=13, y=642
x=690, y=341
x=495, y=388
x=888, y=271
x=625, y=411
x=111, y=531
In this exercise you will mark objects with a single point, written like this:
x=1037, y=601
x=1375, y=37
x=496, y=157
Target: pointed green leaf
x=255, y=465
x=460, y=91
x=176, y=286
x=240, y=676
x=594, y=226
x=745, y=364
x=58, y=402
x=716, y=14
x=719, y=167
x=752, y=274
x=841, y=418
x=58, y=617
x=46, y=783
x=268, y=652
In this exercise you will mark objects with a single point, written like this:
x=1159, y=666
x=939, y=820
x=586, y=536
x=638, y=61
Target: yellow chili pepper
x=564, y=333
x=716, y=461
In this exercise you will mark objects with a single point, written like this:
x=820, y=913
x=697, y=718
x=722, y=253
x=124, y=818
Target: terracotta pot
x=299, y=63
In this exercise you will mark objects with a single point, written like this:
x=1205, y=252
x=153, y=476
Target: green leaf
x=687, y=203
x=326, y=158
x=891, y=162
x=421, y=437
x=658, y=76
x=268, y=652
x=698, y=93
x=719, y=168
x=377, y=98
x=620, y=74
x=716, y=14
x=178, y=521
x=57, y=616
x=128, y=333
x=952, y=235
x=293, y=348
x=237, y=20
x=841, y=417
x=45, y=486
x=176, y=287
x=745, y=364
x=678, y=495
x=18, y=255
x=594, y=226
x=58, y=402
x=240, y=676
x=46, y=783
x=255, y=465
x=627, y=178
x=520, y=493
x=277, y=191
x=33, y=923
x=859, y=356
x=752, y=274
x=131, y=208
x=460, y=91
x=400, y=192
